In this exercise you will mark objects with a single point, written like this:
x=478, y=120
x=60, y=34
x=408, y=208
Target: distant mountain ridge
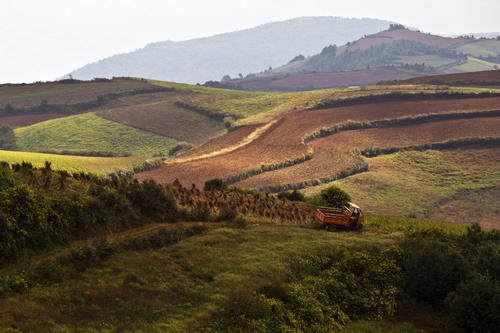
x=394, y=54
x=245, y=51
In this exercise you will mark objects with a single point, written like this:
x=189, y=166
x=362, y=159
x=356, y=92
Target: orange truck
x=350, y=217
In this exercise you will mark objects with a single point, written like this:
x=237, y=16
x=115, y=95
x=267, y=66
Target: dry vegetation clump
x=224, y=205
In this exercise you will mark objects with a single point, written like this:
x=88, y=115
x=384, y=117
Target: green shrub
x=322, y=294
x=292, y=196
x=475, y=306
x=432, y=271
x=48, y=271
x=214, y=184
x=334, y=196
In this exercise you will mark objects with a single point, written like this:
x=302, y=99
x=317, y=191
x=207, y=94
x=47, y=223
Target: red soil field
x=26, y=95
x=26, y=120
x=308, y=81
x=283, y=140
x=389, y=36
x=331, y=154
x=459, y=78
x=222, y=141
x=339, y=79
x=167, y=119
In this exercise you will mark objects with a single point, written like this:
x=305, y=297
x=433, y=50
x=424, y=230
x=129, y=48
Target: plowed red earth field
x=331, y=154
x=221, y=142
x=462, y=78
x=167, y=119
x=57, y=93
x=283, y=140
x=339, y=79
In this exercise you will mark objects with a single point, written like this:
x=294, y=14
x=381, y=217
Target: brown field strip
x=27, y=95
x=338, y=79
x=481, y=78
x=221, y=142
x=283, y=140
x=166, y=119
x=332, y=154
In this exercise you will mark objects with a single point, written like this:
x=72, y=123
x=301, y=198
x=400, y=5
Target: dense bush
x=334, y=196
x=432, y=271
x=40, y=208
x=324, y=294
x=292, y=196
x=214, y=184
x=475, y=306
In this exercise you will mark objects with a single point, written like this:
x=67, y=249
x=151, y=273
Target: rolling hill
x=392, y=54
x=245, y=51
x=267, y=141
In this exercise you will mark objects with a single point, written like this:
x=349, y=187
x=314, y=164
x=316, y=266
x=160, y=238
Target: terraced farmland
x=333, y=154
x=459, y=185
x=283, y=140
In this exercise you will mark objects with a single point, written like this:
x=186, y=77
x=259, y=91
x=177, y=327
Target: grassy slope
x=92, y=133
x=96, y=165
x=417, y=183
x=172, y=289
x=476, y=65
x=481, y=48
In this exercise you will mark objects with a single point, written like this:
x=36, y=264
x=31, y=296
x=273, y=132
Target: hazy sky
x=45, y=39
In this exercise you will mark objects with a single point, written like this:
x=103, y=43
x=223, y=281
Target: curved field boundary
x=284, y=141
x=352, y=125
x=451, y=144
x=362, y=167
x=268, y=167
x=369, y=152
x=247, y=140
x=398, y=96
x=332, y=153
x=217, y=116
x=356, y=126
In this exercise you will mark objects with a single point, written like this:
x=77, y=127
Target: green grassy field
x=92, y=133
x=481, y=48
x=417, y=183
x=476, y=65
x=173, y=289
x=72, y=164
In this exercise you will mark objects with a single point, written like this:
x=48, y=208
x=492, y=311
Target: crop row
x=362, y=167
x=450, y=144
x=268, y=167
x=403, y=121
x=399, y=96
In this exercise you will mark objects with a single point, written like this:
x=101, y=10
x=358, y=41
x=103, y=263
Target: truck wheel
x=330, y=227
